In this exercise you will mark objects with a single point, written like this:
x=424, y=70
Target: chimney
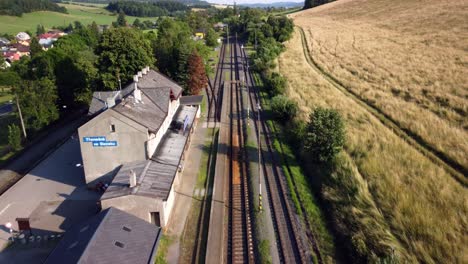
x=144, y=71
x=147, y=69
x=133, y=181
x=135, y=78
x=110, y=101
x=139, y=74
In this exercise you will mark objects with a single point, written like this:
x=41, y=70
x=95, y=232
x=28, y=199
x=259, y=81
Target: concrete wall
x=139, y=206
x=130, y=137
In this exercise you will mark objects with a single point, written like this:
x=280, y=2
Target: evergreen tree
x=137, y=23
x=40, y=30
x=121, y=21
x=35, y=47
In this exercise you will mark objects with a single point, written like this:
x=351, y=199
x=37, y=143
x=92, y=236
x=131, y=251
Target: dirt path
x=451, y=166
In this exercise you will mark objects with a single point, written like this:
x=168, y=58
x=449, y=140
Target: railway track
x=286, y=225
x=240, y=247
x=215, y=89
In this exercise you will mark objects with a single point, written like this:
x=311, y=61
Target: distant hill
x=277, y=4
x=18, y=7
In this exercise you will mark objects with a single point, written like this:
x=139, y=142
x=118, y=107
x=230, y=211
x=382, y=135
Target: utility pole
x=21, y=117
x=255, y=38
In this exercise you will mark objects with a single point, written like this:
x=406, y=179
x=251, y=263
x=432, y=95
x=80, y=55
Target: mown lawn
x=84, y=14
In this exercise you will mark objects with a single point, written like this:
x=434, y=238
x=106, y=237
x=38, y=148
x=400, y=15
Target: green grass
x=203, y=170
x=5, y=152
x=84, y=14
x=5, y=95
x=164, y=244
x=191, y=234
x=264, y=251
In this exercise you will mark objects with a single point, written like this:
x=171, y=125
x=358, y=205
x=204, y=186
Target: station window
x=112, y=128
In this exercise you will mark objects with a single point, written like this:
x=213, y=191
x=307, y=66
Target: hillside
x=397, y=72
x=18, y=7
x=84, y=14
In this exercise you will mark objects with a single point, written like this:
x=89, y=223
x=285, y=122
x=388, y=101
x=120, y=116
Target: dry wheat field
x=398, y=58
x=406, y=57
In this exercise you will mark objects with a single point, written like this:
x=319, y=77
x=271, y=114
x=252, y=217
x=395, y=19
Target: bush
x=276, y=84
x=283, y=108
x=325, y=135
x=14, y=137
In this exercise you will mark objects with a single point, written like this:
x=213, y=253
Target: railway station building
x=135, y=143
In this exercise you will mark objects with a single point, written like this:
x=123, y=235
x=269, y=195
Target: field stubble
x=407, y=58
x=408, y=202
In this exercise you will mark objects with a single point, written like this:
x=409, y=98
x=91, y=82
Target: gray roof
x=112, y=236
x=155, y=176
x=146, y=113
x=191, y=100
x=152, y=80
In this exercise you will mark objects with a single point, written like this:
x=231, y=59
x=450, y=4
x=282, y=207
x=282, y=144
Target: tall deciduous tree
x=37, y=99
x=197, y=75
x=122, y=52
x=325, y=135
x=211, y=38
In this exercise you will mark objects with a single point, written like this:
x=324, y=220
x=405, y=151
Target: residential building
x=112, y=236
x=23, y=38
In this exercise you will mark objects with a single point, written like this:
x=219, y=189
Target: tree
x=121, y=21
x=325, y=135
x=35, y=47
x=276, y=83
x=211, y=38
x=283, y=108
x=78, y=25
x=123, y=52
x=137, y=23
x=14, y=137
x=37, y=99
x=40, y=30
x=197, y=75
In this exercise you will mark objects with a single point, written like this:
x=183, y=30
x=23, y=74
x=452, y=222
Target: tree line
x=147, y=9
x=51, y=84
x=313, y=3
x=18, y=7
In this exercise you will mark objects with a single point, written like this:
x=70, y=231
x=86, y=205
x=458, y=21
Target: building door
x=155, y=218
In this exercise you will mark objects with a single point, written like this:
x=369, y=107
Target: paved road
x=22, y=164
x=6, y=108
x=53, y=195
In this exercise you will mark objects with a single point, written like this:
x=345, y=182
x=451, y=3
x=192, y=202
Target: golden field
x=405, y=201
x=407, y=58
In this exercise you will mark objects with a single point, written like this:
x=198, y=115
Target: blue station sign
x=105, y=144
x=94, y=139
x=100, y=141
